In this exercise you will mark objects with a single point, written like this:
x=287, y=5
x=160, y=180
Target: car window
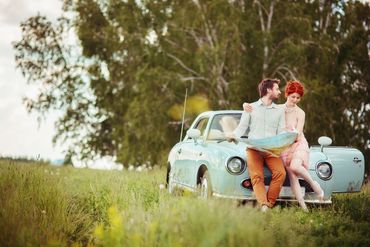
x=222, y=124
x=201, y=125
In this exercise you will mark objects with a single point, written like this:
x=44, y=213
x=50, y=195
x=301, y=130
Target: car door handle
x=356, y=160
x=200, y=153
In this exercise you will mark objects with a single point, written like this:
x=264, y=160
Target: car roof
x=212, y=113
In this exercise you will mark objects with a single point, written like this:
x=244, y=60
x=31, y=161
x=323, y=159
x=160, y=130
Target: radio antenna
x=183, y=114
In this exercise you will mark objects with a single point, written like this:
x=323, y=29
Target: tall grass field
x=42, y=205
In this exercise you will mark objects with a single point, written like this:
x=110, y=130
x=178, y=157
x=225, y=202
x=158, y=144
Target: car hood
x=229, y=148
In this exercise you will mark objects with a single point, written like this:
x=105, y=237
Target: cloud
x=15, y=11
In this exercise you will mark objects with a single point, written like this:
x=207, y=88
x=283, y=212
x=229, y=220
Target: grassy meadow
x=42, y=205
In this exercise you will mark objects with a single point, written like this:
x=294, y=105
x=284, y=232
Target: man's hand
x=230, y=137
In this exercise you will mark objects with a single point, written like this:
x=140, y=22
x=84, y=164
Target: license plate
x=287, y=192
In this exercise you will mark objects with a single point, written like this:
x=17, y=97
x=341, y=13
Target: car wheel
x=168, y=175
x=205, y=186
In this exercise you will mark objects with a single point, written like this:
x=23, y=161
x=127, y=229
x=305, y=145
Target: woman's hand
x=247, y=107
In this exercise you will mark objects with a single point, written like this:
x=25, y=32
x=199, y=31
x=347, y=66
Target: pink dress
x=299, y=149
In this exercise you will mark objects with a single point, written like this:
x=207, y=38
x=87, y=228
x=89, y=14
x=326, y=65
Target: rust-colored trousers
x=255, y=160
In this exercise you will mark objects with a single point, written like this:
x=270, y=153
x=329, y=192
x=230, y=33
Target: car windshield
x=223, y=124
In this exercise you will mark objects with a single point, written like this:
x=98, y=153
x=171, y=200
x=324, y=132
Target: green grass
x=44, y=205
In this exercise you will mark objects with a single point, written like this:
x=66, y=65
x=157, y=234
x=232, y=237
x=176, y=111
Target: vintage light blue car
x=204, y=162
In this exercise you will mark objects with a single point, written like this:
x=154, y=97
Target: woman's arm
x=300, y=122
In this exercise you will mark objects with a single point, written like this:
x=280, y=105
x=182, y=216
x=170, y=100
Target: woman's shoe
x=319, y=191
x=303, y=206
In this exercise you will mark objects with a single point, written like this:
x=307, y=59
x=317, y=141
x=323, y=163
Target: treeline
x=22, y=159
x=118, y=70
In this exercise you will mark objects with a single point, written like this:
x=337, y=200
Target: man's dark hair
x=266, y=84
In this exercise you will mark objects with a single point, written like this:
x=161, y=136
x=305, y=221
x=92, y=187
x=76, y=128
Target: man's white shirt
x=263, y=121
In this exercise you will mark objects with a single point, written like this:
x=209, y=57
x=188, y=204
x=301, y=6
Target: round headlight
x=324, y=170
x=235, y=165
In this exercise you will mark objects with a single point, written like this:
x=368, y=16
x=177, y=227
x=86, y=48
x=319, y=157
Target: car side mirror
x=324, y=141
x=193, y=133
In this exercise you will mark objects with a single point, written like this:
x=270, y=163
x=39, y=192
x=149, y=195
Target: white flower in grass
x=162, y=186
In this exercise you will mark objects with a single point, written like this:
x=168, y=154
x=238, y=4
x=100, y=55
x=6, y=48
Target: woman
x=296, y=156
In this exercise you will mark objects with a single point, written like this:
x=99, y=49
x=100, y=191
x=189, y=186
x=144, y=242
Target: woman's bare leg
x=296, y=188
x=297, y=168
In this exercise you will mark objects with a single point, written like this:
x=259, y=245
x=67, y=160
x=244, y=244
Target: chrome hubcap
x=170, y=185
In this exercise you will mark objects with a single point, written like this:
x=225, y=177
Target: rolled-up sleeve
x=243, y=125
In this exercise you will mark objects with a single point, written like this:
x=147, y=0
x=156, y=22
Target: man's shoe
x=264, y=209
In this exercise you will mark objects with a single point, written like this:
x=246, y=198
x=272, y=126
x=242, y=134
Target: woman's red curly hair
x=294, y=87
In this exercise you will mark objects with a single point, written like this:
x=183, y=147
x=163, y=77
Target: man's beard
x=274, y=98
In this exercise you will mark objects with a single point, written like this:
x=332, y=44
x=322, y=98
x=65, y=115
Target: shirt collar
x=260, y=103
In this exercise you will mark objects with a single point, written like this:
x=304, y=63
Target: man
x=266, y=120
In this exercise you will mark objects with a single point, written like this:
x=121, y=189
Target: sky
x=20, y=133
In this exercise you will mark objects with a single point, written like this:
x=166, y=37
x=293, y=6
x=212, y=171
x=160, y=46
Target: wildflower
x=99, y=231
x=115, y=218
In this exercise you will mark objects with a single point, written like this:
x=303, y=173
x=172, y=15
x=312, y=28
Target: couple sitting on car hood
x=266, y=119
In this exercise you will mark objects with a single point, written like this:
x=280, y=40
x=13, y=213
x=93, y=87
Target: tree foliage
x=133, y=60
